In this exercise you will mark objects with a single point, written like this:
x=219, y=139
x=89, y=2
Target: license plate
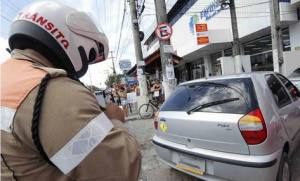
x=190, y=169
x=189, y=164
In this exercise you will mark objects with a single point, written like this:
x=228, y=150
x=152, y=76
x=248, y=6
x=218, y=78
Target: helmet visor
x=97, y=53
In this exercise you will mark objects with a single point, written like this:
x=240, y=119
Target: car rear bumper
x=223, y=165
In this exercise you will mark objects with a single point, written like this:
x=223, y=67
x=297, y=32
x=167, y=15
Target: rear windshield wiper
x=202, y=106
x=236, y=89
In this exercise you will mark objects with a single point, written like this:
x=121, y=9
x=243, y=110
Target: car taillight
x=156, y=120
x=253, y=127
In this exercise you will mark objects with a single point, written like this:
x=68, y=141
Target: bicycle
x=146, y=111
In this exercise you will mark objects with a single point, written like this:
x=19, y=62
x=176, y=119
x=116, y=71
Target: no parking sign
x=163, y=31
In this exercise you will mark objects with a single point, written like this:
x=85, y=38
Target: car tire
x=284, y=173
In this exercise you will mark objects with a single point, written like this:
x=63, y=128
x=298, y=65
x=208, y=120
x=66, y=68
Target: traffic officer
x=51, y=126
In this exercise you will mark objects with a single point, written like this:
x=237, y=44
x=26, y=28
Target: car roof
x=230, y=76
x=295, y=73
x=294, y=78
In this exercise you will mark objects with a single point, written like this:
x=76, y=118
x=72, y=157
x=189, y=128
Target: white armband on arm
x=70, y=155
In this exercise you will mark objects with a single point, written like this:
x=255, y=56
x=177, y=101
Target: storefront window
x=216, y=64
x=262, y=62
x=181, y=74
x=228, y=52
x=260, y=45
x=260, y=51
x=286, y=40
x=197, y=69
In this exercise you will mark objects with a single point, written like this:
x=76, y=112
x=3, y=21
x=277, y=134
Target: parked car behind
x=296, y=82
x=238, y=127
x=295, y=78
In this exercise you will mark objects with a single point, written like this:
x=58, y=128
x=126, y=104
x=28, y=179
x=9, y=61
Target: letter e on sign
x=163, y=31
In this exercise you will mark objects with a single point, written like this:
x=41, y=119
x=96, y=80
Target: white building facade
x=215, y=57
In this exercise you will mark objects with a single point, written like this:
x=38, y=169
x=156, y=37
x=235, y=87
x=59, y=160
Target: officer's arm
x=80, y=139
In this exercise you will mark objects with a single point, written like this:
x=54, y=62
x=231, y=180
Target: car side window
x=280, y=95
x=289, y=86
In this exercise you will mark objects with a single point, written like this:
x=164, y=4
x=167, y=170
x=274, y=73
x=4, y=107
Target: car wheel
x=284, y=169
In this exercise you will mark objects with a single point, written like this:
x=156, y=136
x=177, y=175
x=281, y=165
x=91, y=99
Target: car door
x=286, y=107
x=294, y=94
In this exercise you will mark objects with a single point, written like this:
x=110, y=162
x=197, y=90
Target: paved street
x=154, y=170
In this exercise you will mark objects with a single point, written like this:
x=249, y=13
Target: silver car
x=238, y=127
x=295, y=78
x=296, y=81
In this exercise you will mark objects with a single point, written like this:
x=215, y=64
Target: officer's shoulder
x=67, y=87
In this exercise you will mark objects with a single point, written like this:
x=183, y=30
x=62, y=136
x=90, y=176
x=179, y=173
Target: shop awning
x=209, y=49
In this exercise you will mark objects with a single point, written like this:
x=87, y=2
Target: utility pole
x=143, y=98
x=276, y=35
x=113, y=62
x=236, y=47
x=169, y=84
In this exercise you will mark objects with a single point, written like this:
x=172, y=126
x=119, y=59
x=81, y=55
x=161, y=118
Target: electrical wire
x=189, y=13
x=206, y=5
x=98, y=16
x=118, y=24
x=128, y=35
x=127, y=40
x=13, y=7
x=254, y=4
x=6, y=18
x=122, y=24
x=248, y=12
x=104, y=2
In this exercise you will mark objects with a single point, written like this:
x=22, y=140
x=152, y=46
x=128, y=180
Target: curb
x=132, y=118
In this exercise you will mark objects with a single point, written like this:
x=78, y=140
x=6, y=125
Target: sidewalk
x=133, y=113
x=132, y=117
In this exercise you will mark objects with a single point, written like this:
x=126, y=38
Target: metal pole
x=143, y=98
x=236, y=51
x=166, y=58
x=276, y=35
x=113, y=62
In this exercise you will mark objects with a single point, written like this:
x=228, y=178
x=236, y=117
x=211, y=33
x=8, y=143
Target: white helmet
x=66, y=37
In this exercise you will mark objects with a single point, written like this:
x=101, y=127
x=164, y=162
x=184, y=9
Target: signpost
x=168, y=48
x=141, y=63
x=163, y=31
x=125, y=64
x=139, y=71
x=170, y=72
x=131, y=98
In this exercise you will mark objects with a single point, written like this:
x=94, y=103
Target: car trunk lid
x=214, y=131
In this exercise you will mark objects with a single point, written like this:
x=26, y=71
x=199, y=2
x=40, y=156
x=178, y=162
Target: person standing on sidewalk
x=122, y=93
x=52, y=127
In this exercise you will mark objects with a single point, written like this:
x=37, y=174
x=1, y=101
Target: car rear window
x=297, y=84
x=187, y=97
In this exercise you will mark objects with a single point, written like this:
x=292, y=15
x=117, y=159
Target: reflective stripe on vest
x=69, y=156
x=18, y=79
x=7, y=116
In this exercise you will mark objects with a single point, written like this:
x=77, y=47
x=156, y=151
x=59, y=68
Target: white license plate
x=189, y=163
